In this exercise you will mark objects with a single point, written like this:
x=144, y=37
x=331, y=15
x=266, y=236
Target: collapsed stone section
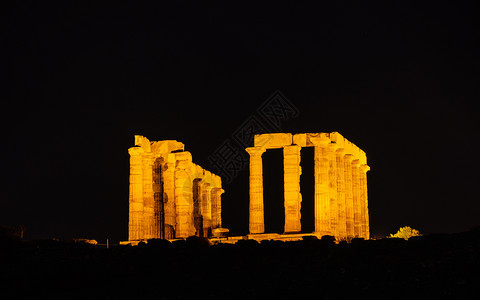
x=340, y=201
x=170, y=196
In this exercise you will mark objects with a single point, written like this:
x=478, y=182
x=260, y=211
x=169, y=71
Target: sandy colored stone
x=161, y=192
x=272, y=140
x=340, y=186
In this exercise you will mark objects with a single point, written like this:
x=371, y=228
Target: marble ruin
x=170, y=196
x=340, y=201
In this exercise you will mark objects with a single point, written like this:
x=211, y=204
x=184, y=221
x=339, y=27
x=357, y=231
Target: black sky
x=399, y=80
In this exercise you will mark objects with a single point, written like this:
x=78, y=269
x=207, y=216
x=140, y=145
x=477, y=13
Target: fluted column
x=341, y=213
x=332, y=187
x=148, y=197
x=322, y=199
x=135, y=196
x=159, y=219
x=168, y=183
x=364, y=201
x=293, y=198
x=357, y=222
x=349, y=195
x=217, y=207
x=207, y=209
x=184, y=195
x=256, y=216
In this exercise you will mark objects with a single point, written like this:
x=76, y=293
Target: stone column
x=322, y=199
x=207, y=209
x=159, y=220
x=256, y=219
x=217, y=207
x=135, y=196
x=168, y=180
x=293, y=198
x=357, y=223
x=332, y=187
x=184, y=195
x=148, y=197
x=342, y=221
x=349, y=195
x=364, y=201
x=197, y=206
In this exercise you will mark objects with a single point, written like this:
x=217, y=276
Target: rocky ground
x=442, y=265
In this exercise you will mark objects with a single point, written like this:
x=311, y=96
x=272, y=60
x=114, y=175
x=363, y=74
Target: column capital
x=255, y=151
x=364, y=168
x=340, y=151
x=332, y=146
x=355, y=163
x=207, y=186
x=320, y=141
x=348, y=158
x=292, y=149
x=135, y=151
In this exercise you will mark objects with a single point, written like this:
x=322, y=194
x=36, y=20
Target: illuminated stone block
x=256, y=216
x=340, y=196
x=293, y=198
x=161, y=192
x=273, y=140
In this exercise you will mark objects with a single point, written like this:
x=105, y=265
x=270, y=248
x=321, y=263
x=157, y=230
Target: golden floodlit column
x=148, y=198
x=168, y=180
x=158, y=200
x=135, y=197
x=332, y=187
x=293, y=198
x=357, y=223
x=184, y=195
x=256, y=219
x=342, y=221
x=216, y=207
x=322, y=199
x=364, y=201
x=349, y=195
x=207, y=209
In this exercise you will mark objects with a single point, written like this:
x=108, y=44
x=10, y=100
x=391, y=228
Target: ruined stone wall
x=163, y=181
x=340, y=201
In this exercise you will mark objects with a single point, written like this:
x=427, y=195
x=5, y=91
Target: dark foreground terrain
x=440, y=266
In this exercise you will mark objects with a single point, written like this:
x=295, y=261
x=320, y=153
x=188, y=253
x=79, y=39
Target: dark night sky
x=400, y=81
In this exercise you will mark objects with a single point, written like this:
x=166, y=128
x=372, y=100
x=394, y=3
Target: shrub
x=405, y=233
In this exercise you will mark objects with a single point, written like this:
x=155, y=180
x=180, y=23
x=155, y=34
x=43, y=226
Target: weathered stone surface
x=272, y=140
x=293, y=198
x=161, y=192
x=256, y=216
x=347, y=159
x=340, y=199
x=364, y=201
x=340, y=174
x=322, y=199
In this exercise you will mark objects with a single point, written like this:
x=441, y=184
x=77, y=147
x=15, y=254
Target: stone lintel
x=321, y=141
x=142, y=142
x=167, y=146
x=273, y=140
x=185, y=155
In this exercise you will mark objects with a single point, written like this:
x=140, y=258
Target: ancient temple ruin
x=340, y=201
x=170, y=196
